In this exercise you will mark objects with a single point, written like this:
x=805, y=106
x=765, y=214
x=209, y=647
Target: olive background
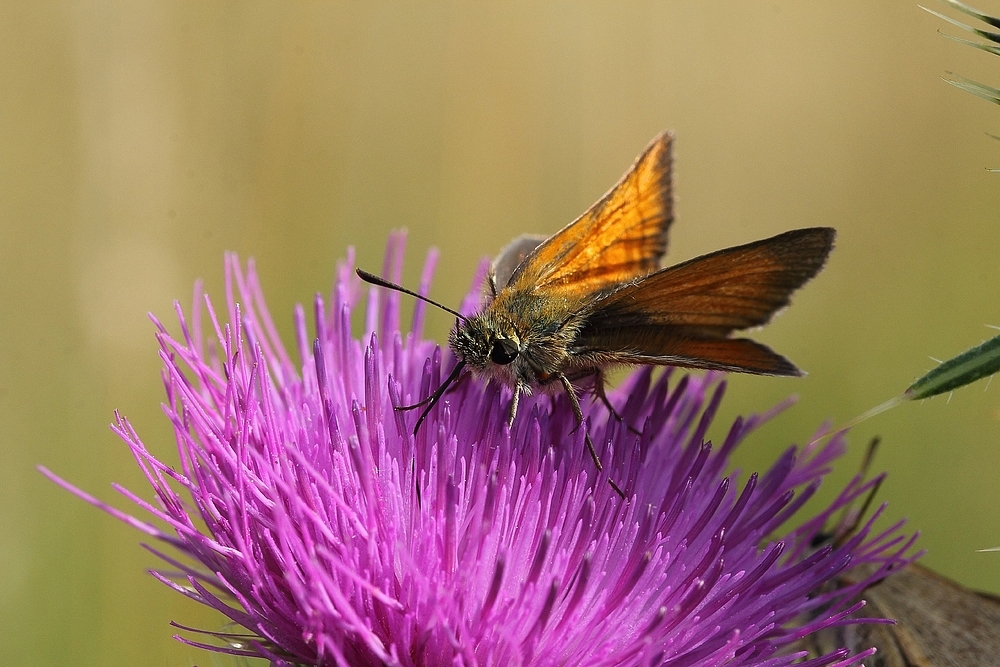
x=140, y=141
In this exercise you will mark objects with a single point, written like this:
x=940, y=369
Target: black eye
x=503, y=352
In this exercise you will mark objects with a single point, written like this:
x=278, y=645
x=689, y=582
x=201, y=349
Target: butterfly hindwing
x=511, y=257
x=663, y=347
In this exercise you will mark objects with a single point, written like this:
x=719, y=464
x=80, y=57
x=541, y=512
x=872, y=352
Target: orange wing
x=683, y=315
x=619, y=238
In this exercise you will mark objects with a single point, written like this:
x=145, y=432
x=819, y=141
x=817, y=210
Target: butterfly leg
x=603, y=397
x=515, y=399
x=598, y=390
x=600, y=395
x=432, y=400
x=578, y=412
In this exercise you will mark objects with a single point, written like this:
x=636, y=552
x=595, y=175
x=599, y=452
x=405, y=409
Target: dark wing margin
x=683, y=315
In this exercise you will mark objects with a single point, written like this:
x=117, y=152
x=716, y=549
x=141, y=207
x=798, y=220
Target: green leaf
x=975, y=13
x=973, y=364
x=979, y=90
x=992, y=36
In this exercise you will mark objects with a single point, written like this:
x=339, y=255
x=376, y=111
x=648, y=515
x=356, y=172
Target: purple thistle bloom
x=318, y=522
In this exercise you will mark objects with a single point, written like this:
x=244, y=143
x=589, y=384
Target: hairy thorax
x=539, y=330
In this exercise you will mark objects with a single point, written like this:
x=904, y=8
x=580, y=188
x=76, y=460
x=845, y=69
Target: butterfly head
x=485, y=345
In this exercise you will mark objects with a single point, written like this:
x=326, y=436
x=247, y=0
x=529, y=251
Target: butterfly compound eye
x=503, y=352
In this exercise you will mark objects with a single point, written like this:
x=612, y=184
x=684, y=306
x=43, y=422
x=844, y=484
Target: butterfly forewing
x=621, y=237
x=682, y=315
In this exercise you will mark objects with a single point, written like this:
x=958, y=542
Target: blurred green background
x=139, y=141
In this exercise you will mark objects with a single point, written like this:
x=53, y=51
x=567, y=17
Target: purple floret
x=307, y=512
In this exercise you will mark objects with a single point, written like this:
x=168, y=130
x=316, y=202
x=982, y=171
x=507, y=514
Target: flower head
x=309, y=513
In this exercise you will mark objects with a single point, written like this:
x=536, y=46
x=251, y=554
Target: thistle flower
x=307, y=512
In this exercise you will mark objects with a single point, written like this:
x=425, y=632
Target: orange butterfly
x=564, y=309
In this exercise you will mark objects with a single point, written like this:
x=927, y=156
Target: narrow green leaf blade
x=973, y=364
x=992, y=36
x=979, y=90
x=962, y=7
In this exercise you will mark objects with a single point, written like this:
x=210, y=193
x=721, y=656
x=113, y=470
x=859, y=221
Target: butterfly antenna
x=381, y=282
